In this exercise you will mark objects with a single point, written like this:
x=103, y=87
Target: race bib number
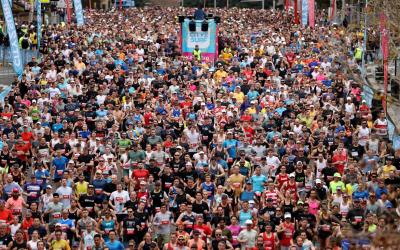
x=358, y=218
x=99, y=190
x=165, y=222
x=60, y=172
x=130, y=231
x=56, y=215
x=16, y=211
x=236, y=185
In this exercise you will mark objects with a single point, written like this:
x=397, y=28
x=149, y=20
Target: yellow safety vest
x=358, y=53
x=197, y=54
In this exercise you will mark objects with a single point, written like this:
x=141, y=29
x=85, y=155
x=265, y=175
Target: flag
x=311, y=13
x=68, y=6
x=39, y=21
x=296, y=14
x=304, y=12
x=78, y=12
x=385, y=53
x=12, y=34
x=333, y=9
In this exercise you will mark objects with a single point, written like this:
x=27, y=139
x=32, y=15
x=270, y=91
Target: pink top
x=313, y=206
x=235, y=229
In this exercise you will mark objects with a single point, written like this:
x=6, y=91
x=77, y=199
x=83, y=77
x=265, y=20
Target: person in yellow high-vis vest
x=197, y=53
x=358, y=54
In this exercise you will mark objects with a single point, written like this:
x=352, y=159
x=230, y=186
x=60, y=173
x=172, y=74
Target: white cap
x=287, y=215
x=292, y=175
x=249, y=222
x=318, y=181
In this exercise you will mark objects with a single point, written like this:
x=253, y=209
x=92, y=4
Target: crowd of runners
x=113, y=140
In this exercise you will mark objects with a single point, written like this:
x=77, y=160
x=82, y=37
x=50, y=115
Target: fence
x=26, y=55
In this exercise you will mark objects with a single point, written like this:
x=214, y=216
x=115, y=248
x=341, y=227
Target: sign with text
x=206, y=40
x=12, y=34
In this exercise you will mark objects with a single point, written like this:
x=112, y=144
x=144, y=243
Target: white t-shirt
x=65, y=196
x=119, y=199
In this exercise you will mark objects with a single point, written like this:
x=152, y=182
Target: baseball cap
x=249, y=222
x=287, y=216
x=337, y=175
x=318, y=181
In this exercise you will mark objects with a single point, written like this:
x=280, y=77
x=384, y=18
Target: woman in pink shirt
x=235, y=229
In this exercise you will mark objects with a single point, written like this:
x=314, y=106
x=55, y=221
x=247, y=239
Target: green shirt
x=333, y=186
x=124, y=143
x=136, y=156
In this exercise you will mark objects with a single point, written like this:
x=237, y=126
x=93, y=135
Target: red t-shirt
x=6, y=216
x=140, y=175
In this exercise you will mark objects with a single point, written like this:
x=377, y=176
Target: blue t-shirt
x=231, y=145
x=60, y=164
x=115, y=245
x=258, y=182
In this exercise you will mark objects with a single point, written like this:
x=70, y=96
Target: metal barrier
x=26, y=55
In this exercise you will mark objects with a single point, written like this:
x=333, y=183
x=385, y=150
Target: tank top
x=297, y=129
x=81, y=188
x=269, y=242
x=282, y=178
x=243, y=216
x=381, y=127
x=313, y=206
x=271, y=194
x=73, y=215
x=17, y=178
x=287, y=208
x=287, y=234
x=107, y=226
x=344, y=209
x=291, y=186
x=363, y=136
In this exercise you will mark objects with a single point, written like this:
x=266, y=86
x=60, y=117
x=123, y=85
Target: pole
x=273, y=4
x=262, y=3
x=68, y=11
x=215, y=4
x=227, y=4
x=363, y=70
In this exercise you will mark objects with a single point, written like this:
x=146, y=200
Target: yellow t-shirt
x=237, y=182
x=81, y=188
x=219, y=74
x=239, y=97
x=386, y=170
x=60, y=245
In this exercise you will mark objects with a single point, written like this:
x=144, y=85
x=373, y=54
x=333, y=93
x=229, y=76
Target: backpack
x=25, y=43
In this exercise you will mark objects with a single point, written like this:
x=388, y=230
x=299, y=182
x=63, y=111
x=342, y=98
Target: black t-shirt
x=200, y=208
x=110, y=187
x=5, y=240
